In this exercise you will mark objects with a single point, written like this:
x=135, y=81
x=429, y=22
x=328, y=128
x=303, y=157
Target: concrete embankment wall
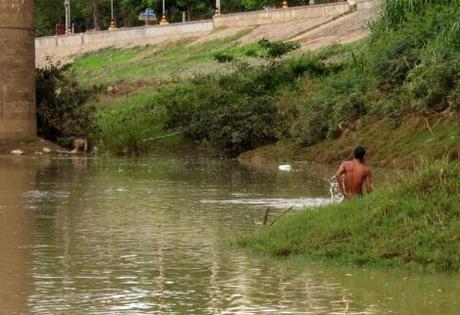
x=122, y=35
x=275, y=16
x=17, y=64
x=65, y=48
x=368, y=4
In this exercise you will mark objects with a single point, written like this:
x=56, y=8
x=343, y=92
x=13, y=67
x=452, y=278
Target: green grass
x=414, y=224
x=171, y=61
x=128, y=123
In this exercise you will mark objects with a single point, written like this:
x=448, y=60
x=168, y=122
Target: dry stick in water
x=277, y=218
x=267, y=212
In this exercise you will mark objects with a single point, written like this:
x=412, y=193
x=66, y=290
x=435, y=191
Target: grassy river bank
x=396, y=92
x=414, y=224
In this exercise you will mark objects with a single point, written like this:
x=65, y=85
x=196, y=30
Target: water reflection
x=117, y=236
x=16, y=226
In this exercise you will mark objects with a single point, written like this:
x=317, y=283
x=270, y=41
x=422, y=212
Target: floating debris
x=17, y=152
x=285, y=168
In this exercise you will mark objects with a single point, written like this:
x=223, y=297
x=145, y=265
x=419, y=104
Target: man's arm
x=369, y=182
x=339, y=176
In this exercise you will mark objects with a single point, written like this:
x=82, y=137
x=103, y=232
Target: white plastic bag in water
x=285, y=168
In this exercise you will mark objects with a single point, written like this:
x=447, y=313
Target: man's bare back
x=351, y=176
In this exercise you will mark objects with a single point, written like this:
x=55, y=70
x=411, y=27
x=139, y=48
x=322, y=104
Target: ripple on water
x=273, y=202
x=42, y=194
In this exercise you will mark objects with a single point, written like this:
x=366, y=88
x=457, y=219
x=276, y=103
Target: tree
x=48, y=14
x=95, y=4
x=128, y=11
x=194, y=9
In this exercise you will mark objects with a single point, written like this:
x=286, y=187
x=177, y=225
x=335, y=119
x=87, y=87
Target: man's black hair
x=360, y=153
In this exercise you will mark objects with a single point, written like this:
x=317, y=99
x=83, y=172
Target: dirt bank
x=387, y=145
x=29, y=146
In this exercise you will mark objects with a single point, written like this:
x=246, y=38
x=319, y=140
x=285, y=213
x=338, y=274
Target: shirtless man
x=351, y=176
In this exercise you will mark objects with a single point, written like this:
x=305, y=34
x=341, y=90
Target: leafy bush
x=222, y=57
x=62, y=112
x=438, y=75
x=392, y=62
x=430, y=32
x=431, y=86
x=242, y=126
x=231, y=121
x=278, y=49
x=311, y=128
x=411, y=68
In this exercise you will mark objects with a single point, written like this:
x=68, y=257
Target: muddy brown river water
x=149, y=236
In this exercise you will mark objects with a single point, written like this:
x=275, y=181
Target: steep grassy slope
x=155, y=63
x=396, y=92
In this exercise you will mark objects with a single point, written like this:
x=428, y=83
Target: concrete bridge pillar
x=17, y=69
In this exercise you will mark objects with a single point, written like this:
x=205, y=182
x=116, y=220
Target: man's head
x=360, y=153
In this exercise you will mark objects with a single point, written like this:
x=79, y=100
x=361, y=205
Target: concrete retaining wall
x=368, y=4
x=281, y=15
x=122, y=35
x=227, y=20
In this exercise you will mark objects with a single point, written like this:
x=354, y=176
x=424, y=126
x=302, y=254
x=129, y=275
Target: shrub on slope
x=410, y=65
x=234, y=112
x=62, y=112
